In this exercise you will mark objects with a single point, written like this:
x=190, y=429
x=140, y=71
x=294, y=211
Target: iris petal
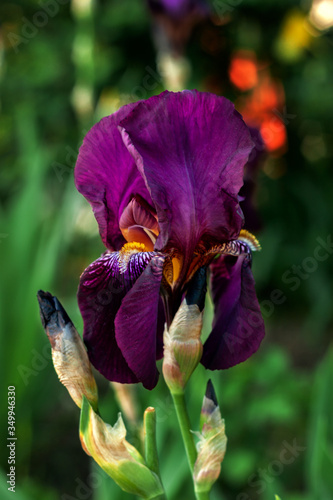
x=136, y=214
x=103, y=287
x=248, y=190
x=136, y=323
x=165, y=174
x=238, y=327
x=107, y=176
x=178, y=8
x=191, y=149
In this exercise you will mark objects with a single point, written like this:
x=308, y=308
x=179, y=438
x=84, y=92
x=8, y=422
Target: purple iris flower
x=174, y=21
x=178, y=8
x=247, y=192
x=163, y=177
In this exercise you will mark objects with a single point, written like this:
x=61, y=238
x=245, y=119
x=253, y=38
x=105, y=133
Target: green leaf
x=320, y=455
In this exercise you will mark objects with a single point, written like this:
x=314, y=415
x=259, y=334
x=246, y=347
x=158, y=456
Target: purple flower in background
x=163, y=177
x=174, y=22
x=178, y=8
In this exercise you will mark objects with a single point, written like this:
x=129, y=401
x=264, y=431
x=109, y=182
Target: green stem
x=151, y=456
x=84, y=61
x=184, y=424
x=202, y=495
x=149, y=422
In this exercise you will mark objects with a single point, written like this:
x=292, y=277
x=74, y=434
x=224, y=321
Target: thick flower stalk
x=163, y=178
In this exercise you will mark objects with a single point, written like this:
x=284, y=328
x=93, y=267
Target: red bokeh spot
x=243, y=71
x=274, y=134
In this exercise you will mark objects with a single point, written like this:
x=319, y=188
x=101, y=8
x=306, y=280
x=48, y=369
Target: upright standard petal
x=102, y=291
x=238, y=326
x=107, y=176
x=191, y=148
x=247, y=193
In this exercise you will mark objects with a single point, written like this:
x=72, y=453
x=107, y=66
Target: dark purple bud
x=196, y=293
x=52, y=313
x=210, y=393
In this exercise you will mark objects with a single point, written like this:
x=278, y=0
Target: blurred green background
x=62, y=71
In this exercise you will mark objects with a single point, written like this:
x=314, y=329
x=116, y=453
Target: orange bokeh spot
x=243, y=71
x=269, y=94
x=263, y=109
x=274, y=134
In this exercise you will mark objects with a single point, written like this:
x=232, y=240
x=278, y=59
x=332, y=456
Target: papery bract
x=69, y=355
x=115, y=455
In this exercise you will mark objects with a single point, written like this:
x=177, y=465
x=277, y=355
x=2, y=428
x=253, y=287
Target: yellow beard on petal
x=250, y=240
x=133, y=247
x=127, y=251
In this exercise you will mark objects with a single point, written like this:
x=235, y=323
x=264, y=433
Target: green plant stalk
x=184, y=424
x=151, y=455
x=188, y=440
x=84, y=62
x=202, y=495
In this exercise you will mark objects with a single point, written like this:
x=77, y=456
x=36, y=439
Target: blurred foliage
x=60, y=72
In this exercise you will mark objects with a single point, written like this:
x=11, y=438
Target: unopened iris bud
x=116, y=456
x=182, y=344
x=69, y=355
x=212, y=443
x=182, y=347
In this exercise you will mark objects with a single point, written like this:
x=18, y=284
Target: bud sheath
x=116, y=456
x=69, y=355
x=212, y=443
x=182, y=347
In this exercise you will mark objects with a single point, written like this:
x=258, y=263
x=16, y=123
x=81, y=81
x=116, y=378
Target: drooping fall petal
x=136, y=324
x=103, y=289
x=238, y=327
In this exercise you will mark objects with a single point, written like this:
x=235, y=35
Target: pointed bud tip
x=196, y=293
x=212, y=444
x=48, y=306
x=210, y=392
